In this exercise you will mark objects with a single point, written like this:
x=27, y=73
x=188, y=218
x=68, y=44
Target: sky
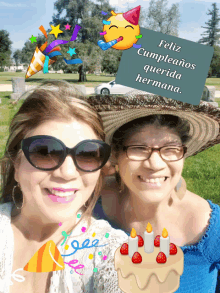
x=22, y=19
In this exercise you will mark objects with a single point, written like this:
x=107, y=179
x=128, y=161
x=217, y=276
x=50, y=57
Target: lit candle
x=132, y=243
x=165, y=243
x=149, y=239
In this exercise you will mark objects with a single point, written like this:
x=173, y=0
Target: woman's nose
x=155, y=161
x=67, y=170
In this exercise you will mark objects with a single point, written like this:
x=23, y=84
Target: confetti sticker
x=66, y=247
x=60, y=224
x=46, y=63
x=78, y=216
x=67, y=26
x=65, y=237
x=83, y=229
x=95, y=270
x=106, y=235
x=99, y=253
x=91, y=256
x=55, y=30
x=71, y=272
x=51, y=50
x=137, y=46
x=33, y=39
x=71, y=51
x=93, y=235
x=17, y=277
x=104, y=257
x=106, y=22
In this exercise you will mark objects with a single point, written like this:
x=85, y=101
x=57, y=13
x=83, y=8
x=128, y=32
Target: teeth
x=153, y=180
x=62, y=194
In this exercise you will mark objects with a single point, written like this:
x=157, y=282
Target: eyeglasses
x=48, y=153
x=167, y=153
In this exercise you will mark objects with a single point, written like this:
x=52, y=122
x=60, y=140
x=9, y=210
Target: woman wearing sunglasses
x=51, y=177
x=150, y=138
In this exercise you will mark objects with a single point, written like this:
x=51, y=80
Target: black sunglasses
x=48, y=153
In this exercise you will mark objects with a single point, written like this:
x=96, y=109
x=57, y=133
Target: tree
x=88, y=15
x=111, y=60
x=162, y=19
x=84, y=13
x=214, y=69
x=17, y=57
x=5, y=59
x=211, y=35
x=5, y=48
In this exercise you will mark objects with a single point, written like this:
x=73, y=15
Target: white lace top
x=98, y=274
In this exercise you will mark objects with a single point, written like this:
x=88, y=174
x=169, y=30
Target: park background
x=197, y=21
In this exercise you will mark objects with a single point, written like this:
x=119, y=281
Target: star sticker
x=33, y=39
x=71, y=51
x=67, y=26
x=55, y=30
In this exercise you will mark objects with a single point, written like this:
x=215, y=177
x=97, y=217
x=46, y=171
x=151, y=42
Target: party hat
x=46, y=259
x=132, y=15
x=37, y=62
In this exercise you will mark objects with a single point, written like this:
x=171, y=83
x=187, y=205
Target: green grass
x=218, y=101
x=202, y=173
x=7, y=112
x=213, y=81
x=92, y=80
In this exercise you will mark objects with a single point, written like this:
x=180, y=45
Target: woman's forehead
x=153, y=135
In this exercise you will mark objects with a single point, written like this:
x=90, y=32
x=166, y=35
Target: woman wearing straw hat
x=51, y=177
x=150, y=137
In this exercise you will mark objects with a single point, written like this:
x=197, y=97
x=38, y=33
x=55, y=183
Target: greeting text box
x=166, y=65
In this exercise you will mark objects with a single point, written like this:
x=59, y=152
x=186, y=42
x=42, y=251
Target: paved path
x=89, y=90
x=8, y=88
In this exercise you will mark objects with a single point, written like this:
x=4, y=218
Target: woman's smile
x=153, y=182
x=61, y=197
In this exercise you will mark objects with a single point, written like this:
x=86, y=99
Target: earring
x=178, y=185
x=13, y=197
x=180, y=188
x=121, y=183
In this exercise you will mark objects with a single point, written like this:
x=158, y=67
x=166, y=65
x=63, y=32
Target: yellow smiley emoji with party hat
x=123, y=27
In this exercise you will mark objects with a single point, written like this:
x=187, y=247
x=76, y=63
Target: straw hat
x=204, y=119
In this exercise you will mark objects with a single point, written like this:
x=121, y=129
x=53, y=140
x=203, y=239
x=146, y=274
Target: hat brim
x=204, y=119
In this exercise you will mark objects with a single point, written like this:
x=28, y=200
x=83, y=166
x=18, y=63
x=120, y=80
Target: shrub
x=1, y=69
x=18, y=70
x=67, y=70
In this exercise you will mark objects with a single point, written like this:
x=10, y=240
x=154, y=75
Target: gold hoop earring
x=13, y=197
x=122, y=185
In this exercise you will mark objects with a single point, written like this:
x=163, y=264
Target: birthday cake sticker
x=150, y=264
